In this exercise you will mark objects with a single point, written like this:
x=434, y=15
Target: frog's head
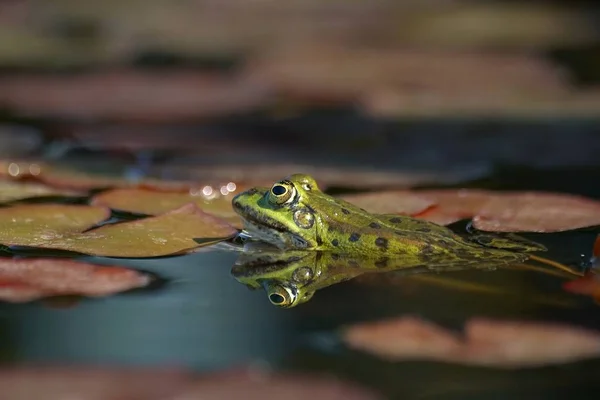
x=281, y=215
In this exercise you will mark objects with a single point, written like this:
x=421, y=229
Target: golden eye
x=280, y=193
x=281, y=296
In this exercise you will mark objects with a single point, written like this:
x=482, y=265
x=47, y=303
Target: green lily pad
x=61, y=228
x=29, y=279
x=152, y=202
x=36, y=225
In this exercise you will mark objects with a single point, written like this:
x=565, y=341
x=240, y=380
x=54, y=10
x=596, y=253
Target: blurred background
x=451, y=88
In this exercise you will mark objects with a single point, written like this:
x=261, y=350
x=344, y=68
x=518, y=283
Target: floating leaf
x=169, y=233
x=57, y=382
x=537, y=212
x=390, y=202
x=39, y=224
x=133, y=95
x=502, y=344
x=11, y=191
x=266, y=174
x=60, y=227
x=493, y=211
x=34, y=278
x=151, y=202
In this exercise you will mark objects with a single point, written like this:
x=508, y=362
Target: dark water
x=203, y=318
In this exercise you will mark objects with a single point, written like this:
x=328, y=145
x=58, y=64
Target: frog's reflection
x=292, y=277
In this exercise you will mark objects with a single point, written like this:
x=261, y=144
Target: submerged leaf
x=30, y=279
x=60, y=227
x=502, y=344
x=152, y=202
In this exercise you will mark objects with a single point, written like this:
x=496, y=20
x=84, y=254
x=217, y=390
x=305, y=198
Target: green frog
x=295, y=214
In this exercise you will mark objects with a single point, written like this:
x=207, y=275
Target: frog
x=294, y=214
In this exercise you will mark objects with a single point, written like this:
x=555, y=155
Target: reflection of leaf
x=11, y=191
x=145, y=201
x=501, y=344
x=588, y=285
x=60, y=227
x=34, y=278
x=100, y=383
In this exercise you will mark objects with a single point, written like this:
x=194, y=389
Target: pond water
x=202, y=318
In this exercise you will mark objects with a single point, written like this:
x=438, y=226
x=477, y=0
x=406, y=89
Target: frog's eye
x=281, y=193
x=282, y=296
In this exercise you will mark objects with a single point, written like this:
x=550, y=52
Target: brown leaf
x=169, y=233
x=70, y=180
x=38, y=224
x=266, y=174
x=390, y=202
x=152, y=202
x=11, y=191
x=58, y=383
x=60, y=227
x=512, y=211
x=34, y=278
x=132, y=95
x=502, y=344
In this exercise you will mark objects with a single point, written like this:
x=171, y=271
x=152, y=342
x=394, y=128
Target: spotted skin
x=295, y=214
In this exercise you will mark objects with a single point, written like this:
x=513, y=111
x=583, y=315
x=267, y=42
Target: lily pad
x=391, y=202
x=490, y=210
x=501, y=344
x=28, y=279
x=12, y=191
x=61, y=228
x=215, y=201
x=38, y=224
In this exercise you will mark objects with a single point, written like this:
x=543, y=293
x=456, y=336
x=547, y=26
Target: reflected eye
x=280, y=193
x=281, y=296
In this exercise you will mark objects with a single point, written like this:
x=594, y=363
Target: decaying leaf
x=11, y=191
x=152, y=202
x=266, y=174
x=38, y=224
x=61, y=227
x=30, y=279
x=490, y=210
x=65, y=178
x=133, y=95
x=502, y=344
x=537, y=212
x=57, y=383
x=169, y=233
x=390, y=202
